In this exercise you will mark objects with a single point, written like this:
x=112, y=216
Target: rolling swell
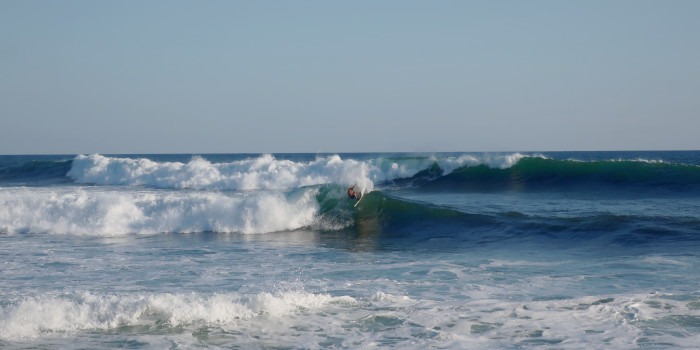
x=543, y=174
x=465, y=172
x=393, y=222
x=267, y=171
x=34, y=172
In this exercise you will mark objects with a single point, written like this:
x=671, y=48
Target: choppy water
x=522, y=250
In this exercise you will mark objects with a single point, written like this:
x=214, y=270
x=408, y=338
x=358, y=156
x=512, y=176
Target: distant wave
x=466, y=172
x=535, y=173
x=262, y=173
x=266, y=172
x=35, y=172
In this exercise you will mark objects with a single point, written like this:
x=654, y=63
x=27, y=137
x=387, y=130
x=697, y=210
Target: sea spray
x=94, y=211
x=266, y=171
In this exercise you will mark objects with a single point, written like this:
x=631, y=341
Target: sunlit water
x=524, y=269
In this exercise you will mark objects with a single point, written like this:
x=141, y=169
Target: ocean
x=529, y=250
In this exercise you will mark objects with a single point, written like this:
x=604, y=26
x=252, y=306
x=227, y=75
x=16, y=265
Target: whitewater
x=264, y=172
x=546, y=250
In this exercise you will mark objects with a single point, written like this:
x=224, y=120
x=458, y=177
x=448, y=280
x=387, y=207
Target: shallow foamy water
x=305, y=289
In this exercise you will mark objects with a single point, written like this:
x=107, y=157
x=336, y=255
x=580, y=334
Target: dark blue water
x=460, y=250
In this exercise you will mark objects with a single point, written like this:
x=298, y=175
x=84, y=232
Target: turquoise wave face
x=393, y=222
x=543, y=174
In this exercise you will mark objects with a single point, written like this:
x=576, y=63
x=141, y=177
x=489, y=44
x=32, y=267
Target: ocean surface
x=550, y=250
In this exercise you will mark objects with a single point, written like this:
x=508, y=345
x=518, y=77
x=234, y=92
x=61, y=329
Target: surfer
x=352, y=193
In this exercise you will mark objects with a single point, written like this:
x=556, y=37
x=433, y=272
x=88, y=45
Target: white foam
x=615, y=321
x=34, y=316
x=496, y=161
x=266, y=172
x=641, y=160
x=99, y=211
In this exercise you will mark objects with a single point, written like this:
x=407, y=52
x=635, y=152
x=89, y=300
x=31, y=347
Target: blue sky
x=341, y=76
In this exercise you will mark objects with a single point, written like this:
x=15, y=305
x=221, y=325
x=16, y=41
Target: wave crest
x=267, y=172
x=100, y=212
x=262, y=173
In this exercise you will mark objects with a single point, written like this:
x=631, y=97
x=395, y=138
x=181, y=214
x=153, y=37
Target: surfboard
x=362, y=195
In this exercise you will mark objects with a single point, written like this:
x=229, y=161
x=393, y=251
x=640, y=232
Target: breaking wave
x=465, y=172
x=34, y=316
x=266, y=172
x=110, y=212
x=612, y=321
